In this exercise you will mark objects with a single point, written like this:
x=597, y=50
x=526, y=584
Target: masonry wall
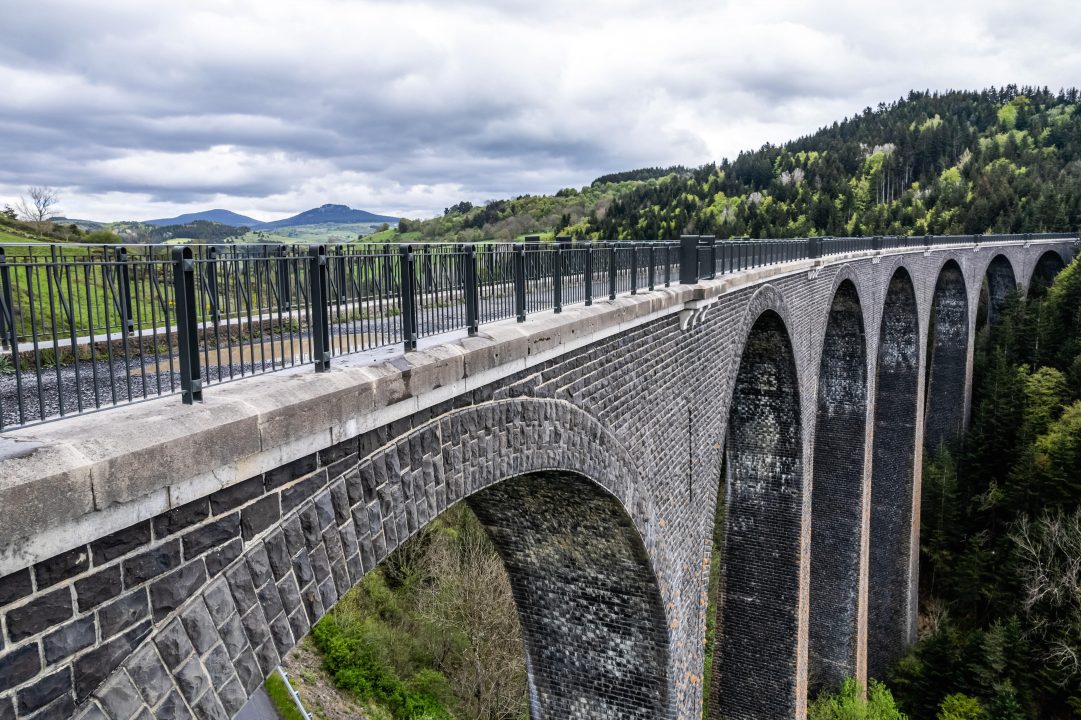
x=948, y=362
x=593, y=622
x=837, y=496
x=187, y=611
x=890, y=625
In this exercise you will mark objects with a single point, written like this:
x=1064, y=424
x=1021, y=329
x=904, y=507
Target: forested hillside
x=1000, y=565
x=1004, y=160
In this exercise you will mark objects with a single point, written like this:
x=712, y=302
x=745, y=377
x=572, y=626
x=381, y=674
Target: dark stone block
x=208, y=707
x=255, y=627
x=232, y=634
x=218, y=666
x=282, y=635
x=269, y=599
x=293, y=496
x=236, y=495
x=119, y=697
x=259, y=566
x=123, y=613
x=240, y=584
x=277, y=554
x=44, y=691
x=62, y=707
x=173, y=644
x=93, y=667
x=294, y=535
x=7, y=709
x=219, y=559
x=341, y=502
x=288, y=473
x=40, y=614
x=267, y=655
x=309, y=520
x=233, y=697
x=200, y=626
x=191, y=679
x=120, y=543
x=219, y=601
x=94, y=590
x=334, y=453
x=149, y=675
x=247, y=669
x=15, y=586
x=62, y=566
x=150, y=564
x=70, y=639
x=173, y=590
x=260, y=515
x=173, y=706
x=211, y=535
x=19, y=666
x=180, y=518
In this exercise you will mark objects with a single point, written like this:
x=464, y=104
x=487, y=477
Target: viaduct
x=157, y=560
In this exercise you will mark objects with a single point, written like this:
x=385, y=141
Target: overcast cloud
x=136, y=109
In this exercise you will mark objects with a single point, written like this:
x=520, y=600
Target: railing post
x=589, y=273
x=320, y=290
x=407, y=280
x=519, y=281
x=688, y=259
x=284, y=300
x=211, y=270
x=123, y=280
x=557, y=277
x=876, y=243
x=711, y=242
x=340, y=272
x=634, y=268
x=612, y=271
x=191, y=375
x=472, y=292
x=814, y=248
x=652, y=275
x=7, y=309
x=667, y=264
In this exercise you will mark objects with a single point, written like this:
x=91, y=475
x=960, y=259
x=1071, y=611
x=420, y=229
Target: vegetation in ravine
x=1001, y=530
x=433, y=633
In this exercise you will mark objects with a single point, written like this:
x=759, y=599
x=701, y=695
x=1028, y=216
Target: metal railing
x=87, y=327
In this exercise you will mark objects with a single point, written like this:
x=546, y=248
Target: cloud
x=138, y=109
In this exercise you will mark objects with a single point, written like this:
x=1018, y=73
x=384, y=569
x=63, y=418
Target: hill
x=224, y=217
x=997, y=160
x=326, y=215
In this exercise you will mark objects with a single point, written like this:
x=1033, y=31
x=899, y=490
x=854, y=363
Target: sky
x=138, y=109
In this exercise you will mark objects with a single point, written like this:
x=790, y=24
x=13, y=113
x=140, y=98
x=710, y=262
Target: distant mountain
x=328, y=215
x=225, y=217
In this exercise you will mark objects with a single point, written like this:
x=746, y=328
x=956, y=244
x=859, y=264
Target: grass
x=281, y=699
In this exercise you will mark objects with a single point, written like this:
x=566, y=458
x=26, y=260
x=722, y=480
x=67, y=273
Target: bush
x=848, y=704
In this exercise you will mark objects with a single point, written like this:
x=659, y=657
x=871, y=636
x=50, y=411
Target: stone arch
x=1001, y=281
x=891, y=622
x=947, y=358
x=756, y=654
x=1044, y=271
x=581, y=563
x=837, y=494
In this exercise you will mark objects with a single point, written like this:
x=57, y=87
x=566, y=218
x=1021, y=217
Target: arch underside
x=592, y=619
x=890, y=594
x=947, y=365
x=755, y=666
x=837, y=495
x=1001, y=281
x=1047, y=267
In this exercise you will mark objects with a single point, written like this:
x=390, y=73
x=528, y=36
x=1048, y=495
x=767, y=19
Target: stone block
x=41, y=613
x=152, y=563
x=148, y=673
x=173, y=590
